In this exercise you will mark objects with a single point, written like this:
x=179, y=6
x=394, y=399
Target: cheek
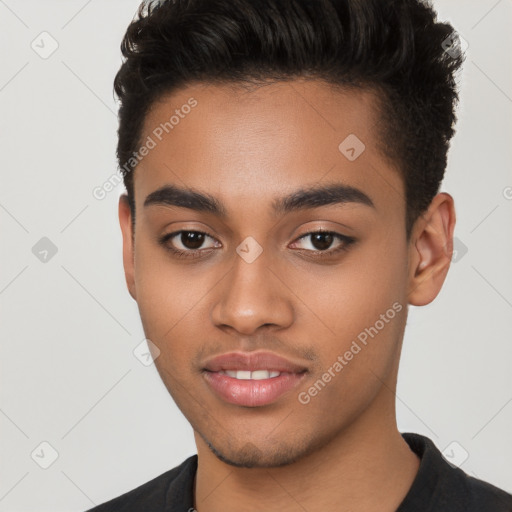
x=345, y=299
x=359, y=316
x=169, y=296
x=357, y=354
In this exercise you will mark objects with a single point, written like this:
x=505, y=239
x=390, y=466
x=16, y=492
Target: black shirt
x=437, y=487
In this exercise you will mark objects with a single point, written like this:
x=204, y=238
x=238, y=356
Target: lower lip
x=251, y=393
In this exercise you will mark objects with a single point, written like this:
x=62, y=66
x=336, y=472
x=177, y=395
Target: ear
x=430, y=250
x=125, y=220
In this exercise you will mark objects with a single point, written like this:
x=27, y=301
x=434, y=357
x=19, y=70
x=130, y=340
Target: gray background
x=69, y=376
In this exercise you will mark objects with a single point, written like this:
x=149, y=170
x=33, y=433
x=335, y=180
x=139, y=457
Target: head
x=245, y=127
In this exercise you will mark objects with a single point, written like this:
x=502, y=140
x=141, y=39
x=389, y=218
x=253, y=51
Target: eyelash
x=195, y=253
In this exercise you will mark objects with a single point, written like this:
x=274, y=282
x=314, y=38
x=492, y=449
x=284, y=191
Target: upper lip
x=252, y=361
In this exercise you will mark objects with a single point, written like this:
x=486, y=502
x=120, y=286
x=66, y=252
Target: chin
x=250, y=456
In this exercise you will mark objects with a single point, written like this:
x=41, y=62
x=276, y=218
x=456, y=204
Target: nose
x=253, y=295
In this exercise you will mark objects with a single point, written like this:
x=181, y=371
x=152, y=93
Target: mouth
x=252, y=379
x=248, y=375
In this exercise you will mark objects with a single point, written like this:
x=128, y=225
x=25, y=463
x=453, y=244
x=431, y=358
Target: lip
x=252, y=361
x=252, y=393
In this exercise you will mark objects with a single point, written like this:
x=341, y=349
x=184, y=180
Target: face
x=240, y=269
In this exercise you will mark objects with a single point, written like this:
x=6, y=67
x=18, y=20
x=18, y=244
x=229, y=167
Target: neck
x=367, y=467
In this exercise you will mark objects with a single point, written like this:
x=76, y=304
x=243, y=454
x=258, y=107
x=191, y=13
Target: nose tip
x=251, y=297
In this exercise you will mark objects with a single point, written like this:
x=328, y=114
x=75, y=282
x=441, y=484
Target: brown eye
x=187, y=243
x=320, y=243
x=192, y=239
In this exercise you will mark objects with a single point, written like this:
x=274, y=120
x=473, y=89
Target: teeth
x=260, y=375
x=247, y=375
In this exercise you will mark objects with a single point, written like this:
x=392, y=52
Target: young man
x=282, y=160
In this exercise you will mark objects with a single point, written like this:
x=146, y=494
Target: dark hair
x=395, y=47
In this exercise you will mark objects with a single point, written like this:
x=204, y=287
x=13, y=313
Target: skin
x=341, y=451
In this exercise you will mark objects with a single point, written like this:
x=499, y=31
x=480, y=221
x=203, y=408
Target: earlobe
x=125, y=221
x=431, y=250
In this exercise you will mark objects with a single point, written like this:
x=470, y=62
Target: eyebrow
x=304, y=198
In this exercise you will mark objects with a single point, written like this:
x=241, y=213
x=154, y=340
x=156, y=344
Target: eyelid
x=173, y=234
x=346, y=242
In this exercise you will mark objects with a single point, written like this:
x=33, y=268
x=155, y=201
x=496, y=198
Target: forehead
x=256, y=144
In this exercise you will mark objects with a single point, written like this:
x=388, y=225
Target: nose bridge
x=252, y=295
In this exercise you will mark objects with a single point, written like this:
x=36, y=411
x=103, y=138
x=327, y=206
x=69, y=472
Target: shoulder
x=155, y=494
x=443, y=487
x=485, y=496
